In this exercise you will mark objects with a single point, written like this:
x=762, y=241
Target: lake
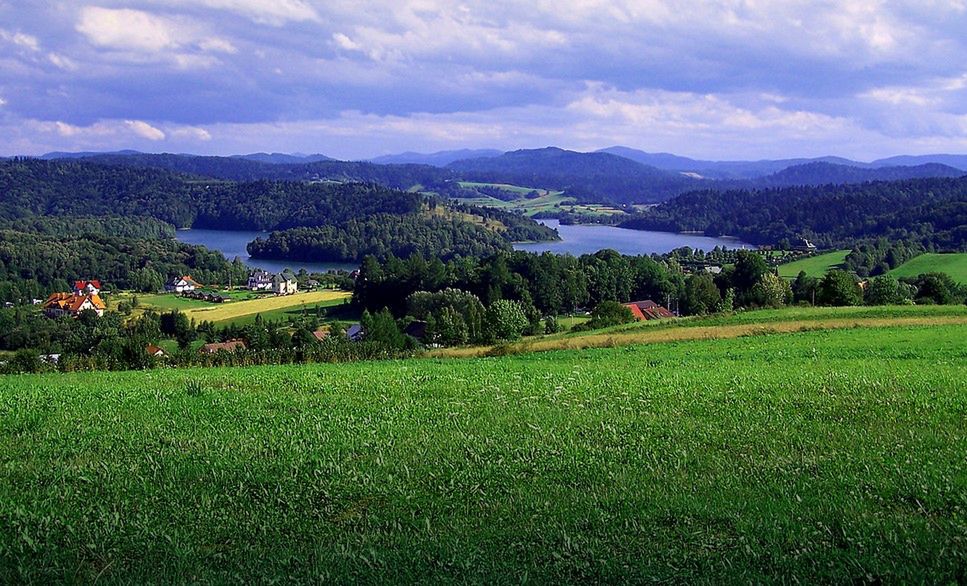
x=587, y=239
x=576, y=240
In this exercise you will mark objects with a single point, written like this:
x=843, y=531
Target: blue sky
x=357, y=78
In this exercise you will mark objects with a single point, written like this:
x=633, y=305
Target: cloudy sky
x=721, y=79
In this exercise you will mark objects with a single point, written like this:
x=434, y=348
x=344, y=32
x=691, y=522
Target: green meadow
x=815, y=266
x=954, y=264
x=816, y=456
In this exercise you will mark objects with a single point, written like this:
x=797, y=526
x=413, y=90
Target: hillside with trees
x=932, y=212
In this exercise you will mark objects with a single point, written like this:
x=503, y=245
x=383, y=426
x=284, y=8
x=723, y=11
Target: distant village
x=86, y=293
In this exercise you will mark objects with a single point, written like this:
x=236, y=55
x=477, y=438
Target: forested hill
x=932, y=211
x=32, y=188
x=597, y=177
x=253, y=167
x=822, y=173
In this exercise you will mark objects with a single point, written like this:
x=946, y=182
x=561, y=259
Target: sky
x=353, y=79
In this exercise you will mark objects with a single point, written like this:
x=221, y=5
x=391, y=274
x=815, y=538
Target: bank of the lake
x=575, y=239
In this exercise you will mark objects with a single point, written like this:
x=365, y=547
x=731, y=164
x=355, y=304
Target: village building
x=804, y=245
x=355, y=332
x=285, y=283
x=260, y=281
x=182, y=284
x=216, y=347
x=72, y=304
x=154, y=350
x=92, y=287
x=648, y=310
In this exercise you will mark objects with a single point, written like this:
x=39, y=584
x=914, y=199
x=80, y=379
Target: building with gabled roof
x=182, y=284
x=92, y=287
x=72, y=304
x=648, y=310
x=216, y=347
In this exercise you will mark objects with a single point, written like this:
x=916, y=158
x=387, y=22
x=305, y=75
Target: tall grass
x=824, y=456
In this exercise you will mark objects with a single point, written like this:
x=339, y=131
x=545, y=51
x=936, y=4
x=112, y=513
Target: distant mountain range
x=438, y=159
x=617, y=175
x=753, y=169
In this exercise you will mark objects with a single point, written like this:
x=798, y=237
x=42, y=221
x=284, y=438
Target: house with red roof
x=92, y=287
x=648, y=310
x=72, y=304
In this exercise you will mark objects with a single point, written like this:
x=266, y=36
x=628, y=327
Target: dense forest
x=345, y=220
x=33, y=265
x=381, y=235
x=932, y=212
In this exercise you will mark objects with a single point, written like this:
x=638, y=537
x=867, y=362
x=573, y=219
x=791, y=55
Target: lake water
x=587, y=239
x=576, y=240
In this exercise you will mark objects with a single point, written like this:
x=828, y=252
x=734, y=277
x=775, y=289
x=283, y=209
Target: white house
x=260, y=281
x=182, y=284
x=284, y=283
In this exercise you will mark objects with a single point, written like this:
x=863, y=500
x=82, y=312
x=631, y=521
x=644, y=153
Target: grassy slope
x=954, y=265
x=817, y=456
x=815, y=266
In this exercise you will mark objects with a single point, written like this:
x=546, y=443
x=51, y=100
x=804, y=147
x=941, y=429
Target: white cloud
x=126, y=29
x=271, y=12
x=217, y=45
x=62, y=62
x=145, y=130
x=20, y=39
x=3, y=102
x=191, y=133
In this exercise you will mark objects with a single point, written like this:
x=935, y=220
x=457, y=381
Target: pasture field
x=265, y=305
x=818, y=456
x=954, y=264
x=815, y=266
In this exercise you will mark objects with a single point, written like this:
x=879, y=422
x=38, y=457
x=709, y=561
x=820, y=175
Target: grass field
x=815, y=266
x=954, y=264
x=239, y=311
x=548, y=201
x=821, y=456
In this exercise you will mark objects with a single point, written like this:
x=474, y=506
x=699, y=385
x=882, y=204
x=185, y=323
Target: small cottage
x=216, y=347
x=182, y=284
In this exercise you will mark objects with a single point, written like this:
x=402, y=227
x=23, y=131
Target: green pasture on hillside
x=815, y=266
x=954, y=264
x=817, y=457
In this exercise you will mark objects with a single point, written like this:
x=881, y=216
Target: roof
x=73, y=303
x=78, y=285
x=288, y=275
x=636, y=312
x=649, y=310
x=321, y=334
x=154, y=350
x=355, y=331
x=186, y=279
x=229, y=346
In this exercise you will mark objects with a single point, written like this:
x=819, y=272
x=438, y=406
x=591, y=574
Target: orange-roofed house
x=72, y=304
x=155, y=350
x=648, y=310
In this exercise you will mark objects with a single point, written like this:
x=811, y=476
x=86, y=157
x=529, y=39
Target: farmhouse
x=804, y=246
x=156, y=351
x=87, y=287
x=284, y=283
x=182, y=284
x=72, y=304
x=648, y=310
x=260, y=281
x=216, y=347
